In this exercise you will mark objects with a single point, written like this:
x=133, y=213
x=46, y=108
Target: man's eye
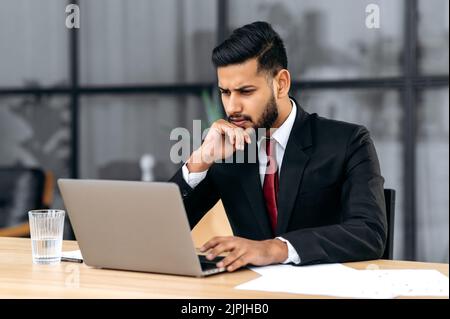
x=224, y=93
x=246, y=92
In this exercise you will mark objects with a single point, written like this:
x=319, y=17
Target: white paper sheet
x=412, y=282
x=341, y=281
x=72, y=255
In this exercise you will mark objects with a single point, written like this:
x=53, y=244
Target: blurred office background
x=93, y=102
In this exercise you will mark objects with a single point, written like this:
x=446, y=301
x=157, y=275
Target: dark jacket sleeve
x=361, y=235
x=197, y=201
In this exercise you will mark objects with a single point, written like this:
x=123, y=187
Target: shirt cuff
x=193, y=179
x=293, y=256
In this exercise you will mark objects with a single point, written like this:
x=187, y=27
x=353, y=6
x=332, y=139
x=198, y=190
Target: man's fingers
x=247, y=138
x=231, y=135
x=249, y=132
x=213, y=242
x=239, y=138
x=236, y=135
x=220, y=248
x=242, y=137
x=238, y=263
x=209, y=244
x=232, y=257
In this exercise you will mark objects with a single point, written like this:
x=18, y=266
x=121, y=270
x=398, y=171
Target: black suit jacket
x=331, y=204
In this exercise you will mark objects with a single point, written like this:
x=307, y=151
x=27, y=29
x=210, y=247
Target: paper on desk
x=289, y=269
x=72, y=254
x=341, y=281
x=412, y=282
x=330, y=280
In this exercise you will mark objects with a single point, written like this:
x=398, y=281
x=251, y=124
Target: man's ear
x=283, y=83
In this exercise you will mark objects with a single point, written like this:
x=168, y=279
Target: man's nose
x=234, y=104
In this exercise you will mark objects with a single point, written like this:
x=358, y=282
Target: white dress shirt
x=281, y=136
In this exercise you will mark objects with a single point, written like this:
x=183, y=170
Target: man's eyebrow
x=245, y=87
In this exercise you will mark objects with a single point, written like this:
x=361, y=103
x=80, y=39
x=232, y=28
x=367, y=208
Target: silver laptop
x=135, y=226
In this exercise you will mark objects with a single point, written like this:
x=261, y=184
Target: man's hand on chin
x=242, y=252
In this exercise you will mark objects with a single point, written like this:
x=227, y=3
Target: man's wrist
x=196, y=163
x=279, y=250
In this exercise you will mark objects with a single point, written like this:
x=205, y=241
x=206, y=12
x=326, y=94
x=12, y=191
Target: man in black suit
x=314, y=194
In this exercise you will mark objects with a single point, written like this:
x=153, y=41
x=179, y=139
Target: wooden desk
x=20, y=278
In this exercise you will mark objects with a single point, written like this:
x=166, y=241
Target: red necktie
x=270, y=187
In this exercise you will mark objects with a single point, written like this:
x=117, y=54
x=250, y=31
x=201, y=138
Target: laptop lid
x=128, y=225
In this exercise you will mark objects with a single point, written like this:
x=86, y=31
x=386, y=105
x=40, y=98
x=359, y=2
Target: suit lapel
x=295, y=160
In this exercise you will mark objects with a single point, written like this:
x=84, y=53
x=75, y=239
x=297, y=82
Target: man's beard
x=269, y=115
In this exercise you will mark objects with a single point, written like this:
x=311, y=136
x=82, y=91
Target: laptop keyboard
x=209, y=264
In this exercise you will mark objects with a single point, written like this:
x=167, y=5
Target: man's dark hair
x=257, y=39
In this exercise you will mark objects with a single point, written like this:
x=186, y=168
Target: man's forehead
x=239, y=75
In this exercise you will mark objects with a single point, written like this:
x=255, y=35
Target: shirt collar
x=281, y=134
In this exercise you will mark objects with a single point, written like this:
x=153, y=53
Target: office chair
x=389, y=195
x=22, y=189
x=214, y=223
